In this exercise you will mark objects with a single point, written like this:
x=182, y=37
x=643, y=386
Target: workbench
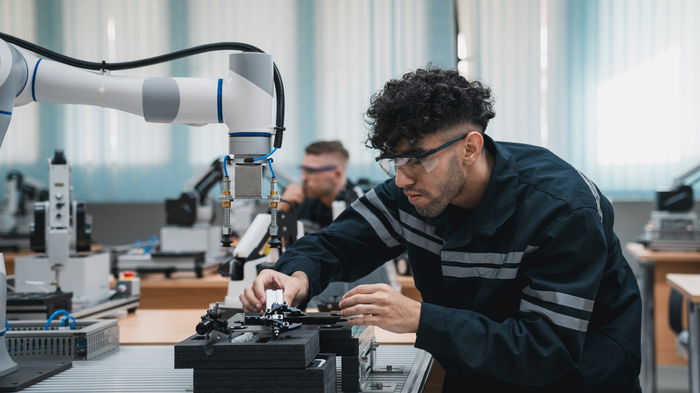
x=145, y=359
x=658, y=341
x=169, y=327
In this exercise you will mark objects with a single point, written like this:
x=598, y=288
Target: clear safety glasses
x=413, y=163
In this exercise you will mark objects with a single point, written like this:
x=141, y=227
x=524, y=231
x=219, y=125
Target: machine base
x=31, y=372
x=292, y=350
x=319, y=376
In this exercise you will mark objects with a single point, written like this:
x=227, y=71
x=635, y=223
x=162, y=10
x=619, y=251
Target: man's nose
x=402, y=180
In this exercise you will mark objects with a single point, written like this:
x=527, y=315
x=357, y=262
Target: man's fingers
x=362, y=309
x=253, y=300
x=366, y=320
x=244, y=302
x=360, y=298
x=248, y=300
x=259, y=286
x=365, y=288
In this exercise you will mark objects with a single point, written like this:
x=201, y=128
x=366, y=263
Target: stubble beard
x=449, y=189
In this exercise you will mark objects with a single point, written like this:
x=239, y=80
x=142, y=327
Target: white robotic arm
x=243, y=100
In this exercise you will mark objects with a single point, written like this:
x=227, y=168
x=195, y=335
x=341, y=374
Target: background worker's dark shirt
x=529, y=292
x=318, y=213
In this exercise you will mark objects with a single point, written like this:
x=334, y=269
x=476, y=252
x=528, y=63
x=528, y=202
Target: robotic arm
x=243, y=100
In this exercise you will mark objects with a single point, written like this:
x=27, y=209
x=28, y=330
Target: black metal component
x=212, y=321
x=181, y=211
x=226, y=242
x=679, y=199
x=37, y=229
x=58, y=158
x=275, y=242
x=262, y=266
x=83, y=228
x=275, y=318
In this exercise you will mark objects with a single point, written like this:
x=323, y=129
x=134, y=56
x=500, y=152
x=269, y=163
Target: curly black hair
x=424, y=102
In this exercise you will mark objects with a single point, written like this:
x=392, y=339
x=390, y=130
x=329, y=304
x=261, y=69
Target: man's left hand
x=381, y=305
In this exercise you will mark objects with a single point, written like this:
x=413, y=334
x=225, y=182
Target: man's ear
x=338, y=173
x=473, y=144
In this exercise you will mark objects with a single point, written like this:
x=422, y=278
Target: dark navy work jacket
x=529, y=292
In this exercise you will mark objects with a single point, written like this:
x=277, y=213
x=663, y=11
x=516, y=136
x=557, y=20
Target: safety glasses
x=317, y=169
x=424, y=161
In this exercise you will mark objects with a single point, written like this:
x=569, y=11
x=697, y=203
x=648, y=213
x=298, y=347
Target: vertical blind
x=609, y=85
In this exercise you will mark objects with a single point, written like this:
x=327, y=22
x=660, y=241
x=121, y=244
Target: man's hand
x=294, y=193
x=381, y=305
x=296, y=289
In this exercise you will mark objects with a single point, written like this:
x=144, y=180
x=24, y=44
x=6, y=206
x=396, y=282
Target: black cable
x=217, y=46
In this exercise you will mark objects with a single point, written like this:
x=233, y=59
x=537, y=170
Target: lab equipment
x=673, y=227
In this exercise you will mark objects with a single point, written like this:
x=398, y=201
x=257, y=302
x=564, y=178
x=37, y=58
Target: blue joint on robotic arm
x=36, y=67
x=219, y=107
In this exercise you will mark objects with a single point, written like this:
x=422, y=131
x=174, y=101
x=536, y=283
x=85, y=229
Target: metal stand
x=648, y=330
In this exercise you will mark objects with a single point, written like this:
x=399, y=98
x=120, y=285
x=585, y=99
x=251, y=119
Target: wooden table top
x=169, y=327
x=687, y=284
x=644, y=254
x=183, y=280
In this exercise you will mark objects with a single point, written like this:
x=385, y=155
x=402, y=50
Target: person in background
x=323, y=181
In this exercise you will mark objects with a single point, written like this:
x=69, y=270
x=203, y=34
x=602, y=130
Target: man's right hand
x=296, y=289
x=294, y=193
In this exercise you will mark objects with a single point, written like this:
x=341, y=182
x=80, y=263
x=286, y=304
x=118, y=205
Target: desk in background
x=689, y=286
x=655, y=293
x=182, y=291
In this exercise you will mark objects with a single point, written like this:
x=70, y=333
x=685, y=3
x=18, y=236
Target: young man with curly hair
x=524, y=285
